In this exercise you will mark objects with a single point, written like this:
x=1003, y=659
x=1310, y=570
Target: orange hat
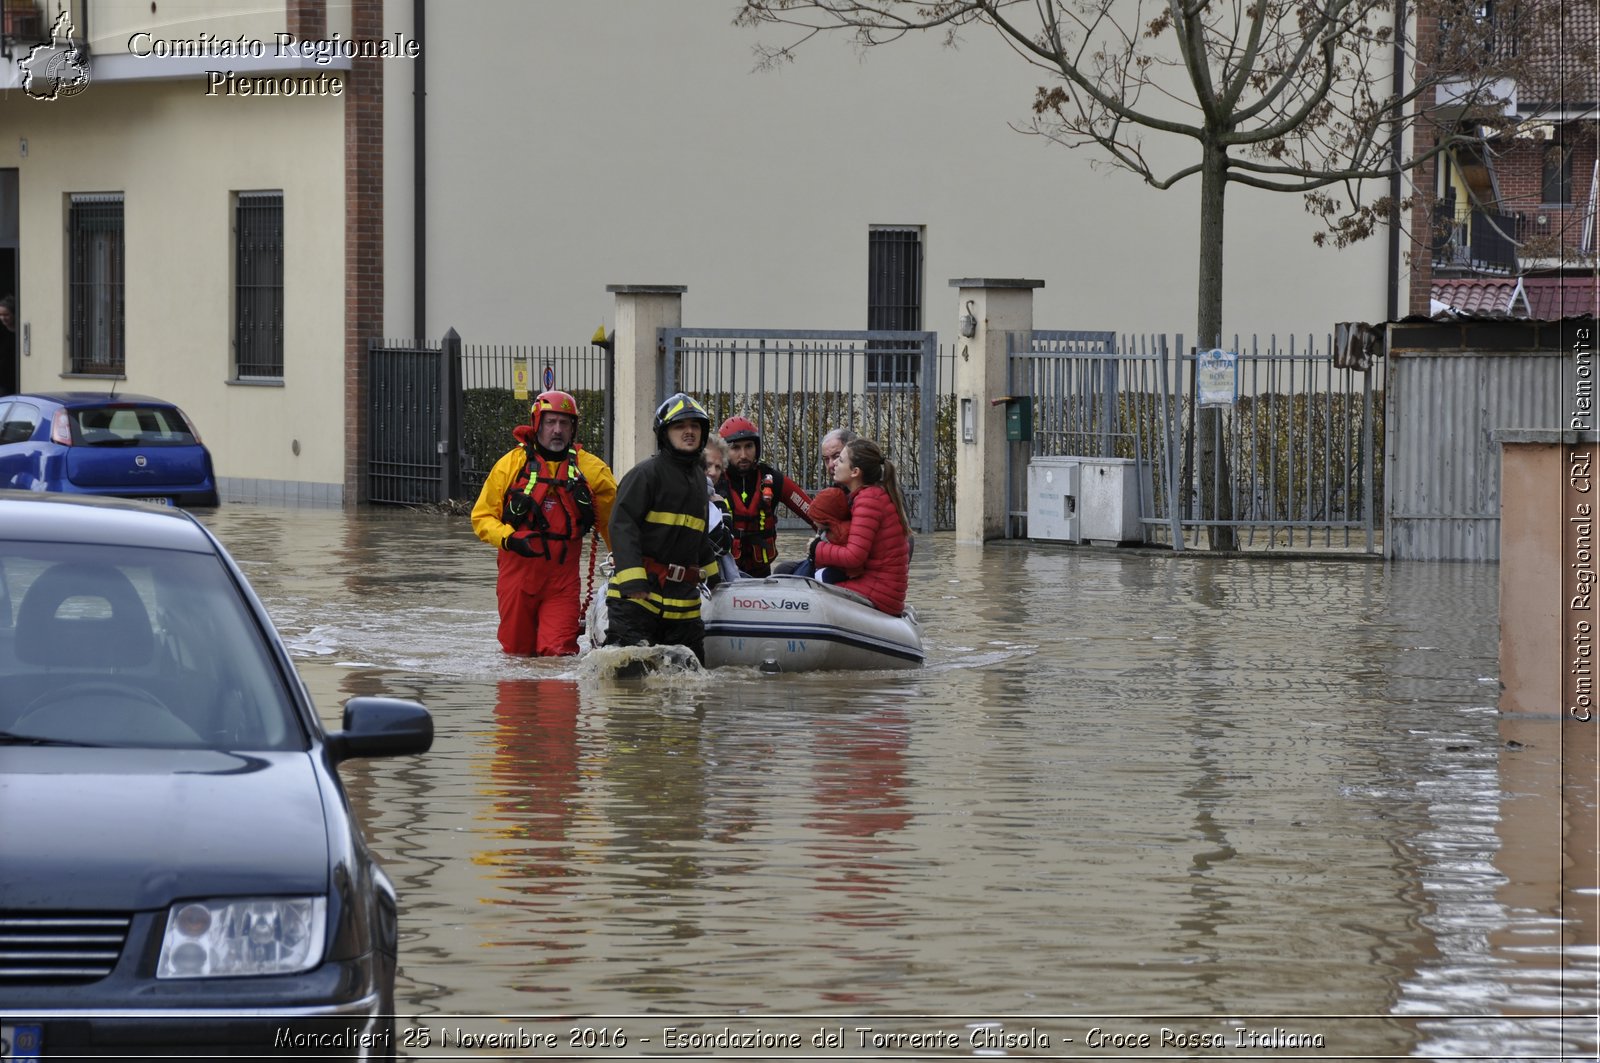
x=831, y=508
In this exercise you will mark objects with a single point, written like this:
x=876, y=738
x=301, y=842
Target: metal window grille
x=95, y=285
x=258, y=285
x=894, y=301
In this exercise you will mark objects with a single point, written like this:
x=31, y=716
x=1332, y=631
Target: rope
x=594, y=552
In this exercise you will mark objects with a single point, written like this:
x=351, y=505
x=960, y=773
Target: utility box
x=1019, y=418
x=1053, y=511
x=1108, y=501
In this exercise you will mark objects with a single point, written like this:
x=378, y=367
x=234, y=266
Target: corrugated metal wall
x=1444, y=465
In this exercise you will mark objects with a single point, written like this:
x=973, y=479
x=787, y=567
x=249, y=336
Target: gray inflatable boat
x=795, y=624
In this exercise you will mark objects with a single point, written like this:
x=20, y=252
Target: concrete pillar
x=998, y=307
x=1549, y=621
x=1549, y=662
x=641, y=309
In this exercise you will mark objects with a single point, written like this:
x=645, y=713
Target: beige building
x=191, y=207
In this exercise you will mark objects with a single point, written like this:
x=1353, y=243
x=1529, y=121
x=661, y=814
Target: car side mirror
x=381, y=727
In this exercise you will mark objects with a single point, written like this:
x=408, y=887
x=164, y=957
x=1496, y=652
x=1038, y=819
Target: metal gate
x=410, y=423
x=1299, y=444
x=799, y=385
x=424, y=450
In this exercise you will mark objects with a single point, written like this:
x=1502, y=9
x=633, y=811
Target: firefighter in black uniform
x=658, y=537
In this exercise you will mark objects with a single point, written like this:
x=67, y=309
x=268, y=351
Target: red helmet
x=735, y=429
x=554, y=402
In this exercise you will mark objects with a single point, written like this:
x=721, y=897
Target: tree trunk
x=1216, y=484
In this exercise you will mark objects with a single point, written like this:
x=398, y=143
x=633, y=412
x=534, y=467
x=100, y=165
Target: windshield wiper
x=8, y=738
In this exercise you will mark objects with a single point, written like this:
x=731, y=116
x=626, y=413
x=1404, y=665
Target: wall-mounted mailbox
x=1020, y=418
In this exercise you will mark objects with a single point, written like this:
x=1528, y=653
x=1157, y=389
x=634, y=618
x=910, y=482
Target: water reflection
x=535, y=783
x=1126, y=783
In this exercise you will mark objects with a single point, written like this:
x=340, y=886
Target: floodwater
x=1130, y=793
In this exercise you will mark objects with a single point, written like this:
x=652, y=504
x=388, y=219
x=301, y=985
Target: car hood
x=136, y=829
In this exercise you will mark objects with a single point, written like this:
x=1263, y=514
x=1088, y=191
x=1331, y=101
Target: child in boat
x=830, y=508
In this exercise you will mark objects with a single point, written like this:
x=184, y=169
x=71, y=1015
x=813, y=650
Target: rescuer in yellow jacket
x=539, y=501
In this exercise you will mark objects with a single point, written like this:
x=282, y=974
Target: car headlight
x=243, y=936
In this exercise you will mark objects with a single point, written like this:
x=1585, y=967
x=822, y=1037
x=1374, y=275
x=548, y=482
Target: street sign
x=520, y=372
x=1217, y=374
x=549, y=378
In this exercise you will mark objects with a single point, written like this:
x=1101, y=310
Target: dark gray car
x=180, y=871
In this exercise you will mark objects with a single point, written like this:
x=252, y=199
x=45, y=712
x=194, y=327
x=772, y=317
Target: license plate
x=24, y=1040
x=160, y=500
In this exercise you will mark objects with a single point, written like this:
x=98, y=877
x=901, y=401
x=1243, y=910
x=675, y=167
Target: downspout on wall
x=419, y=179
x=1395, y=184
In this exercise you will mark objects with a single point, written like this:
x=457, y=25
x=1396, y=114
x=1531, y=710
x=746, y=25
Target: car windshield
x=120, y=424
x=107, y=645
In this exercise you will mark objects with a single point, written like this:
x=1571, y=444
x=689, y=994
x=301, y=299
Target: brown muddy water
x=1264, y=801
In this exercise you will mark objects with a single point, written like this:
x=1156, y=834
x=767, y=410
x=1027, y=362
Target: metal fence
x=492, y=375
x=1297, y=450
x=892, y=387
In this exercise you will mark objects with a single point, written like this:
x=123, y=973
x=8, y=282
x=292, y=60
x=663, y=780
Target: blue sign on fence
x=549, y=377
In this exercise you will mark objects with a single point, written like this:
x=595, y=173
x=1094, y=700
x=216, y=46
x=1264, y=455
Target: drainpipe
x=419, y=178
x=1395, y=186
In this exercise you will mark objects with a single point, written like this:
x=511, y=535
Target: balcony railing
x=1478, y=239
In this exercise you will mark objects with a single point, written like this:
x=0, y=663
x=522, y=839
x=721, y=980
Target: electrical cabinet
x=1053, y=498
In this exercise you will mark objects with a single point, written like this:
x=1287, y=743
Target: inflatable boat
x=795, y=624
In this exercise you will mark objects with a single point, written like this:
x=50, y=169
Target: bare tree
x=1298, y=96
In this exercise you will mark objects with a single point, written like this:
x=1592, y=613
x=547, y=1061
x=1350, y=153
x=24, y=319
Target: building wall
x=177, y=156
x=1520, y=167
x=572, y=146
x=625, y=143
x=1424, y=187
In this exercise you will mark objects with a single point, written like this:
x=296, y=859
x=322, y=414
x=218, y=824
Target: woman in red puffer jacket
x=877, y=556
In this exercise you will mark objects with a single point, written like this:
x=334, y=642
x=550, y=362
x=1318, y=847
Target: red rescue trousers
x=538, y=604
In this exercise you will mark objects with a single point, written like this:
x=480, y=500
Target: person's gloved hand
x=722, y=538
x=518, y=544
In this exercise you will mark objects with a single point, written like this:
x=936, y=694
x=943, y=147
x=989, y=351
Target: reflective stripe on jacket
x=488, y=513
x=753, y=501
x=660, y=513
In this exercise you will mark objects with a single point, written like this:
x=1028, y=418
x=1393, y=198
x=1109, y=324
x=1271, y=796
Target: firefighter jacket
x=658, y=535
x=753, y=499
x=553, y=514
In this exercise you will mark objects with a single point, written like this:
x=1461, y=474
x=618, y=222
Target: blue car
x=92, y=443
